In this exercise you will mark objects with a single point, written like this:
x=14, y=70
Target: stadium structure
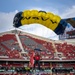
x=68, y=36
x=58, y=57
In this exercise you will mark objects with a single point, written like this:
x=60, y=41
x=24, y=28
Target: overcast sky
x=8, y=8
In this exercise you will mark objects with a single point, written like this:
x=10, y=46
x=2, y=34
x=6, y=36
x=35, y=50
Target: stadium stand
x=58, y=58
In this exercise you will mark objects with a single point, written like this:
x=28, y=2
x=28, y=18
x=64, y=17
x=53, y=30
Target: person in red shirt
x=37, y=60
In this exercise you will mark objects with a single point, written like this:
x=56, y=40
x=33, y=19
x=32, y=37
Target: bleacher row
x=12, y=68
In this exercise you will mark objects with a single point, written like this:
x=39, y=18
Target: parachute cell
x=47, y=19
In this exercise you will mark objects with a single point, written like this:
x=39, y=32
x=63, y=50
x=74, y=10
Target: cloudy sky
x=8, y=8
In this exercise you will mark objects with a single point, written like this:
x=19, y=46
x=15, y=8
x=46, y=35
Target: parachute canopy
x=71, y=21
x=48, y=19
